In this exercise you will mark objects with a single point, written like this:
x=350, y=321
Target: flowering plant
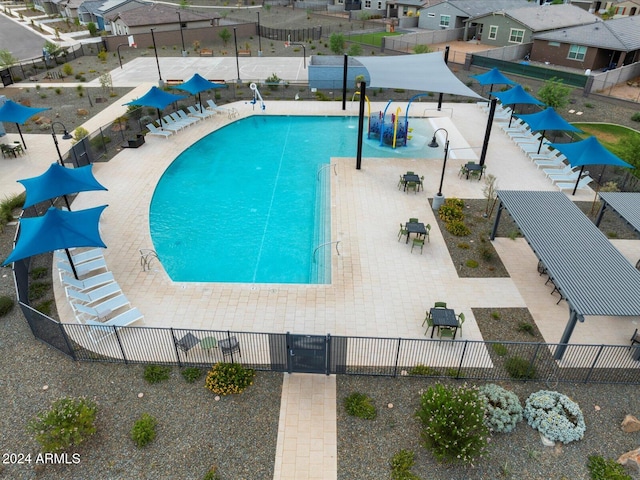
x=555, y=416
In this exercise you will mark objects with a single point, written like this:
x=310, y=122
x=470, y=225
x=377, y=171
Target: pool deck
x=379, y=287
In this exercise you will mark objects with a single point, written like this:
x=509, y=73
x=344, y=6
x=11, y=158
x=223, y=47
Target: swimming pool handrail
x=324, y=245
x=325, y=166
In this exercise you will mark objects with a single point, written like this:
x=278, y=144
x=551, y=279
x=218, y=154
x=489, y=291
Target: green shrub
x=449, y=213
x=38, y=290
x=454, y=202
x=68, y=423
x=144, y=430
x=424, y=370
x=191, y=374
x=228, y=378
x=464, y=246
x=67, y=69
x=102, y=55
x=606, y=469
x=495, y=315
x=502, y=408
x=6, y=304
x=361, y=406
x=457, y=228
x=212, y=474
x=453, y=423
x=8, y=205
x=500, y=349
x=486, y=252
x=555, y=416
x=519, y=368
x=636, y=117
x=401, y=464
x=471, y=263
x=45, y=307
x=526, y=327
x=156, y=373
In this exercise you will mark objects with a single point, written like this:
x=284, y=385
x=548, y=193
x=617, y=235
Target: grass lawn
x=373, y=39
x=613, y=137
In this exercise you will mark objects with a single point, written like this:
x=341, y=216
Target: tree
x=363, y=17
x=93, y=29
x=337, y=43
x=354, y=50
x=225, y=35
x=554, y=93
x=6, y=59
x=52, y=49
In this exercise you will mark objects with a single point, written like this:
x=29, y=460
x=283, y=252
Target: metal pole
x=235, y=41
x=487, y=132
x=446, y=59
x=184, y=52
x=344, y=82
x=155, y=51
x=118, y=49
x=363, y=88
x=444, y=166
x=66, y=136
x=259, y=39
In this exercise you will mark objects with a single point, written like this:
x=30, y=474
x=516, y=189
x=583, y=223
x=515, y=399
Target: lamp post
x=304, y=52
x=184, y=52
x=438, y=198
x=235, y=41
x=65, y=136
x=155, y=51
x=259, y=39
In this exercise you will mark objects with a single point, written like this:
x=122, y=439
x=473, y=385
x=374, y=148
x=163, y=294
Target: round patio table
x=207, y=343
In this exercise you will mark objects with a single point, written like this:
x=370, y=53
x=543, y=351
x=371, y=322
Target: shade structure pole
x=235, y=41
x=578, y=180
x=344, y=82
x=487, y=132
x=259, y=39
x=566, y=335
x=541, y=139
x=446, y=59
x=159, y=117
x=21, y=137
x=184, y=52
x=73, y=267
x=155, y=50
x=363, y=88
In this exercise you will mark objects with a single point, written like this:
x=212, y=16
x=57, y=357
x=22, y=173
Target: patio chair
x=417, y=242
x=446, y=332
x=429, y=321
x=105, y=300
x=229, y=346
x=187, y=342
x=583, y=183
x=230, y=112
x=461, y=319
x=412, y=186
x=635, y=338
x=570, y=177
x=566, y=170
x=82, y=257
x=83, y=269
x=170, y=124
x=403, y=231
x=98, y=331
x=400, y=182
x=413, y=220
x=427, y=227
x=100, y=311
x=153, y=130
x=187, y=120
x=440, y=305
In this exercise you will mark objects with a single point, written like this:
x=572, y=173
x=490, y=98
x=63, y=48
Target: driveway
x=20, y=40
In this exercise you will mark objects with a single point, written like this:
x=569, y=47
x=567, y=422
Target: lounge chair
x=230, y=112
x=183, y=115
x=565, y=170
x=82, y=257
x=565, y=178
x=88, y=297
x=82, y=269
x=170, y=124
x=89, y=283
x=153, y=130
x=99, y=310
x=583, y=183
x=184, y=121
x=100, y=330
x=195, y=113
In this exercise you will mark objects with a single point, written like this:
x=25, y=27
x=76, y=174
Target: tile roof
x=475, y=8
x=620, y=34
x=551, y=17
x=156, y=14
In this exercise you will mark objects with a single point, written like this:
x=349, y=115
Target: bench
x=206, y=52
x=174, y=81
x=221, y=82
x=244, y=53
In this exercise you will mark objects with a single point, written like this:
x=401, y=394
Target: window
x=444, y=20
x=577, y=52
x=367, y=4
x=554, y=44
x=493, y=32
x=620, y=10
x=379, y=5
x=516, y=35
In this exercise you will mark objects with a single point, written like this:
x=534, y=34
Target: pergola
x=591, y=274
x=625, y=204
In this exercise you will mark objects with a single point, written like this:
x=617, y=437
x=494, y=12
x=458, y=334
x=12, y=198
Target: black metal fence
x=293, y=35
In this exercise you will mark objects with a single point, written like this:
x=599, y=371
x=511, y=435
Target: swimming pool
x=250, y=202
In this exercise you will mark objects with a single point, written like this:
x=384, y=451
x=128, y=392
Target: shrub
x=38, y=290
x=6, y=304
x=68, y=423
x=526, y=327
x=454, y=202
x=555, y=416
x=486, y=252
x=191, y=374
x=102, y=55
x=457, y=228
x=67, y=69
x=495, y=315
x=424, y=370
x=401, y=464
x=471, y=263
x=449, y=213
x=45, y=307
x=636, y=117
x=519, y=368
x=8, y=205
x=226, y=378
x=453, y=423
x=144, y=430
x=464, y=246
x=361, y=406
x=79, y=133
x=500, y=349
x=421, y=49
x=156, y=373
x=502, y=408
x=212, y=474
x=606, y=469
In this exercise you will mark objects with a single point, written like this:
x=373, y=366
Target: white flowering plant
x=555, y=416
x=502, y=410
x=453, y=423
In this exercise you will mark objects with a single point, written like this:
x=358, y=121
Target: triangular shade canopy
x=16, y=113
x=517, y=95
x=156, y=98
x=197, y=84
x=58, y=181
x=493, y=77
x=425, y=72
x=57, y=229
x=547, y=119
x=589, y=152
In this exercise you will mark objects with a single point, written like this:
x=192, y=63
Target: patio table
x=417, y=228
x=444, y=317
x=409, y=177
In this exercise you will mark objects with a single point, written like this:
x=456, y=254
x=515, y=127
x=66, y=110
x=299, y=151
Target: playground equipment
x=257, y=96
x=392, y=132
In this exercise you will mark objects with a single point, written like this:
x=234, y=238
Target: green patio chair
x=440, y=305
x=412, y=186
x=427, y=227
x=403, y=231
x=460, y=322
x=413, y=220
x=417, y=242
x=446, y=332
x=429, y=322
x=401, y=182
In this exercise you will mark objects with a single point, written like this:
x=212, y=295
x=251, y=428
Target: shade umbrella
x=514, y=96
x=198, y=84
x=59, y=181
x=18, y=114
x=58, y=229
x=157, y=99
x=547, y=119
x=588, y=152
x=493, y=77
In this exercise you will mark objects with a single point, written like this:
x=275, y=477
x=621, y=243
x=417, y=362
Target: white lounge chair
x=82, y=257
x=582, y=183
x=99, y=311
x=179, y=120
x=153, y=130
x=169, y=123
x=570, y=177
x=187, y=118
x=204, y=114
x=230, y=112
x=549, y=163
x=92, y=296
x=89, y=283
x=100, y=330
x=82, y=269
x=566, y=170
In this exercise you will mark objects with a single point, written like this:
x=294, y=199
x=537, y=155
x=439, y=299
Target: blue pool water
x=250, y=202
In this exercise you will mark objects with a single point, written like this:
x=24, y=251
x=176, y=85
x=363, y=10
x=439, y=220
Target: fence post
x=464, y=350
x=395, y=368
x=124, y=357
x=593, y=365
x=327, y=357
x=175, y=346
x=533, y=359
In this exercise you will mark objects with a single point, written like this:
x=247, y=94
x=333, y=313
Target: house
x=162, y=18
x=594, y=6
x=515, y=26
x=87, y=11
x=406, y=11
x=114, y=6
x=604, y=44
x=455, y=13
x=628, y=8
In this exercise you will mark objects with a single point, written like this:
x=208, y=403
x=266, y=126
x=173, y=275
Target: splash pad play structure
x=391, y=129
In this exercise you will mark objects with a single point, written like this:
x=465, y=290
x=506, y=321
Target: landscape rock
x=82, y=112
x=631, y=459
x=630, y=424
